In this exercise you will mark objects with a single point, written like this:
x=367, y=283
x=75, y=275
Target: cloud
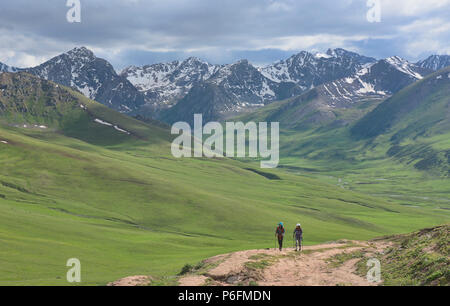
x=414, y=8
x=428, y=34
x=143, y=31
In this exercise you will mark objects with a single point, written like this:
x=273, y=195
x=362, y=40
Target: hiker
x=298, y=237
x=279, y=233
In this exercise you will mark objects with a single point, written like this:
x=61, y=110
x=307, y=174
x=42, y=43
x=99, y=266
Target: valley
x=123, y=205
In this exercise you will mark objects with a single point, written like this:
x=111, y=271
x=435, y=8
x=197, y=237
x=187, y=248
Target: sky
x=139, y=32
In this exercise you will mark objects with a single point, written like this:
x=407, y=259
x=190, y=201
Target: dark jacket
x=298, y=233
x=279, y=231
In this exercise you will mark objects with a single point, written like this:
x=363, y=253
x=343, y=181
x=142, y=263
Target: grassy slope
x=408, y=160
x=422, y=258
x=131, y=209
x=123, y=206
x=420, y=109
x=416, y=259
x=309, y=111
x=26, y=99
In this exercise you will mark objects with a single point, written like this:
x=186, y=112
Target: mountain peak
x=395, y=59
x=95, y=78
x=339, y=52
x=192, y=59
x=335, y=52
x=242, y=62
x=435, y=62
x=82, y=52
x=404, y=66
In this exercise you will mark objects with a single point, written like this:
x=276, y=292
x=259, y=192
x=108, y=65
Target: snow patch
x=366, y=88
x=121, y=130
x=322, y=55
x=277, y=73
x=349, y=80
x=329, y=92
x=126, y=107
x=112, y=125
x=403, y=66
x=103, y=122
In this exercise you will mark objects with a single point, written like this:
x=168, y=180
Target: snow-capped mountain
x=230, y=90
x=6, y=68
x=309, y=70
x=378, y=80
x=241, y=87
x=244, y=85
x=174, y=91
x=245, y=82
x=326, y=104
x=166, y=83
x=94, y=77
x=435, y=62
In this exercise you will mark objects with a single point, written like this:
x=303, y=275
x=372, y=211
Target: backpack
x=280, y=230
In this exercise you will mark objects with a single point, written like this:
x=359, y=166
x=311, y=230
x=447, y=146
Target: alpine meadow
x=359, y=147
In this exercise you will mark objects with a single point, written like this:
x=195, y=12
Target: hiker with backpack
x=279, y=233
x=298, y=237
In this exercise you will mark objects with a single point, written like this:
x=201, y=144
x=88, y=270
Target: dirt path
x=329, y=264
x=312, y=270
x=340, y=263
x=315, y=266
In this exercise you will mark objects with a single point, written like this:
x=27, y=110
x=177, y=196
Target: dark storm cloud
x=140, y=31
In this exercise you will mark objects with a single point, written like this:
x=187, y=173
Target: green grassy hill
x=311, y=110
x=33, y=102
x=419, y=110
x=124, y=206
x=415, y=124
x=418, y=259
x=405, y=161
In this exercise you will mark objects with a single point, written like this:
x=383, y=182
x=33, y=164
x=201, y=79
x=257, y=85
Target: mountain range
x=174, y=91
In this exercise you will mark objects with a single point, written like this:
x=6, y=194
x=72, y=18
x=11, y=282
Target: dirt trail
x=315, y=266
x=329, y=264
